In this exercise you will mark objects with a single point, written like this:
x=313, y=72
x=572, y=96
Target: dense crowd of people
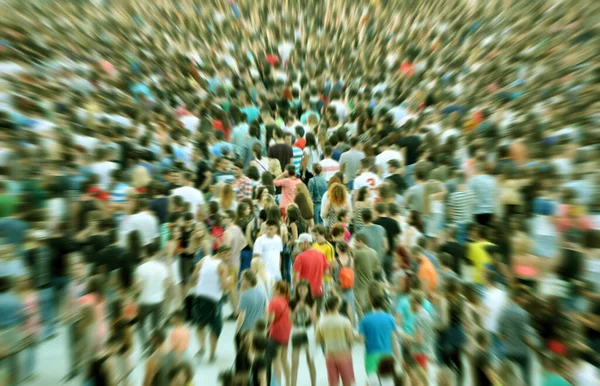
x=419, y=178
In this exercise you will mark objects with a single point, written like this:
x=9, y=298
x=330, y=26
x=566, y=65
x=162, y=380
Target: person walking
x=212, y=279
x=310, y=265
x=334, y=333
x=378, y=331
x=366, y=265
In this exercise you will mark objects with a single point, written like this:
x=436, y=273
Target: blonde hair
x=226, y=198
x=337, y=195
x=140, y=177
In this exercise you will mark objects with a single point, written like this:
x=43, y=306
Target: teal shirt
x=553, y=379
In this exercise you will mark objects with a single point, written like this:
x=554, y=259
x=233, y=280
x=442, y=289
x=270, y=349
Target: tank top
x=208, y=284
x=167, y=363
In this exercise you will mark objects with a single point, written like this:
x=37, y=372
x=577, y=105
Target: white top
x=368, y=179
x=384, y=157
x=312, y=157
x=494, y=300
x=190, y=122
x=146, y=224
x=151, y=276
x=191, y=195
x=270, y=250
x=330, y=167
x=209, y=283
x=104, y=169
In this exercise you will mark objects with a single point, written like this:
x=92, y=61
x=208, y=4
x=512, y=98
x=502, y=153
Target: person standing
x=494, y=300
x=484, y=188
x=317, y=187
x=392, y=230
x=242, y=185
x=426, y=270
x=514, y=330
x=189, y=193
x=162, y=361
x=310, y=265
x=252, y=306
x=328, y=164
x=334, y=333
x=366, y=265
x=236, y=240
x=212, y=274
x=461, y=204
x=152, y=281
x=378, y=329
x=280, y=150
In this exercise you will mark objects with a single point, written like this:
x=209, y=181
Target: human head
x=248, y=279
x=303, y=291
x=281, y=288
x=272, y=228
x=291, y=170
x=360, y=240
x=223, y=252
x=320, y=232
x=332, y=305
x=238, y=169
x=304, y=241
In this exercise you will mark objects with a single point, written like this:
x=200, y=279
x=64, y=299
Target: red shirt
x=281, y=328
x=272, y=59
x=300, y=143
x=311, y=266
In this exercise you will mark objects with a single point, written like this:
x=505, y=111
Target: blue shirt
x=408, y=317
x=219, y=149
x=484, y=187
x=239, y=136
x=252, y=113
x=297, y=155
x=11, y=310
x=378, y=327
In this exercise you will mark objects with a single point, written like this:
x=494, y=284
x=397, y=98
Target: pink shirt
x=288, y=190
x=180, y=339
x=91, y=299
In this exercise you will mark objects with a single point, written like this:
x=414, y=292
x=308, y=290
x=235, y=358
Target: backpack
x=346, y=275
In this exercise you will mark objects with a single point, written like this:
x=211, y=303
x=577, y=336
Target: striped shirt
x=297, y=155
x=462, y=204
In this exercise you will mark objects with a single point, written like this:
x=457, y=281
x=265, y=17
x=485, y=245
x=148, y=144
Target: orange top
x=180, y=339
x=427, y=274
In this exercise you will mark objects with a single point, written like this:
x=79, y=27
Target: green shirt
x=8, y=204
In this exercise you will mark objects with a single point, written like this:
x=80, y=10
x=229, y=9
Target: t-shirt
x=297, y=155
x=330, y=167
x=282, y=152
x=253, y=303
x=382, y=160
x=427, y=274
x=8, y=204
x=412, y=143
x=310, y=266
x=392, y=229
x=151, y=276
x=494, y=300
x=191, y=195
x=333, y=330
x=375, y=236
x=270, y=250
x=368, y=179
x=366, y=263
x=553, y=379
x=104, y=170
x=477, y=253
x=377, y=328
x=288, y=190
x=281, y=327
x=350, y=160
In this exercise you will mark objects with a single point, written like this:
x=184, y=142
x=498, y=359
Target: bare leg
x=214, y=338
x=311, y=369
x=277, y=367
x=295, y=363
x=201, y=340
x=285, y=365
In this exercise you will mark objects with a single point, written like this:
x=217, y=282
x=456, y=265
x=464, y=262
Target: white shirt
x=340, y=109
x=190, y=122
x=191, y=195
x=447, y=134
x=146, y=224
x=494, y=300
x=269, y=250
x=152, y=275
x=368, y=179
x=330, y=167
x=384, y=157
x=104, y=170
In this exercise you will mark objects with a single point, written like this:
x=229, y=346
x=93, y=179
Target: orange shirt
x=427, y=274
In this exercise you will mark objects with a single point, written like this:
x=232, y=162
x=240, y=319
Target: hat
x=304, y=238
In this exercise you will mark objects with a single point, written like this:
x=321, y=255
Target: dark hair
x=367, y=215
x=362, y=193
x=252, y=173
x=361, y=237
x=291, y=169
x=317, y=169
x=332, y=303
x=250, y=277
x=309, y=297
x=380, y=208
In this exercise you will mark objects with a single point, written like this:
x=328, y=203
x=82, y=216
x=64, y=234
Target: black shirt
x=412, y=143
x=114, y=258
x=458, y=253
x=398, y=182
x=571, y=265
x=201, y=168
x=392, y=229
x=160, y=206
x=60, y=248
x=283, y=152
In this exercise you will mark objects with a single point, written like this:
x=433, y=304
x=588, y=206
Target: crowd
x=419, y=178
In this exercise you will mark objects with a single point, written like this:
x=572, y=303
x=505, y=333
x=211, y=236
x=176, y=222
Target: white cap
x=304, y=238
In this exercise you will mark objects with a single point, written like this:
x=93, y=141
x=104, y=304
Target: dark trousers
x=523, y=361
x=152, y=311
x=484, y=218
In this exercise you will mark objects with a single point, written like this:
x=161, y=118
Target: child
x=180, y=335
x=31, y=327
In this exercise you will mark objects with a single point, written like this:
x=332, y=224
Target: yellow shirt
x=480, y=258
x=329, y=253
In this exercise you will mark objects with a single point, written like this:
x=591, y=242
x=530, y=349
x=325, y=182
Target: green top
x=8, y=204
